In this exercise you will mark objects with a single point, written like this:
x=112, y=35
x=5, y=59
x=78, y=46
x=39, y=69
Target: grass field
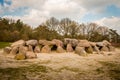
x=4, y=44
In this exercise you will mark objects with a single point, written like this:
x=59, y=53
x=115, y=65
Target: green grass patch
x=23, y=73
x=66, y=68
x=4, y=44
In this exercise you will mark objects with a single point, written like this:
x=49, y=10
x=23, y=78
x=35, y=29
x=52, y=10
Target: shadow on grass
x=113, y=69
x=23, y=73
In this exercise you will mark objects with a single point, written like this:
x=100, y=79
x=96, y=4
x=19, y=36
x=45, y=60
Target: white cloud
x=34, y=18
x=39, y=10
x=88, y=4
x=57, y=8
x=97, y=5
x=112, y=22
x=64, y=8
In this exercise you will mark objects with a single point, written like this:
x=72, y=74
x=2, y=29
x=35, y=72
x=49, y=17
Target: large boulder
x=96, y=49
x=80, y=51
x=89, y=49
x=60, y=49
x=18, y=43
x=45, y=42
x=92, y=44
x=23, y=49
x=42, y=42
x=46, y=49
x=58, y=42
x=30, y=48
x=99, y=44
x=111, y=48
x=104, y=48
x=106, y=43
x=14, y=50
x=73, y=42
x=7, y=50
x=67, y=41
x=30, y=55
x=20, y=56
x=83, y=43
x=69, y=48
x=37, y=49
x=32, y=42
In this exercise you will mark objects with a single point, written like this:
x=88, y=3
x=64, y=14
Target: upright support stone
x=80, y=51
x=46, y=49
x=30, y=55
x=97, y=50
x=37, y=49
x=7, y=50
x=111, y=48
x=14, y=50
x=89, y=49
x=104, y=48
x=20, y=56
x=69, y=48
x=60, y=49
x=30, y=48
x=23, y=49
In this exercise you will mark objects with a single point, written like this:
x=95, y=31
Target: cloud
x=112, y=22
x=33, y=18
x=64, y=8
x=37, y=11
x=97, y=5
x=57, y=8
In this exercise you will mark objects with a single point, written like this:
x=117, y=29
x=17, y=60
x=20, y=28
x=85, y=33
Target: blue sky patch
x=112, y=10
x=2, y=2
x=17, y=12
x=8, y=2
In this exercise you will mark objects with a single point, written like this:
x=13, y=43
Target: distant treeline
x=11, y=30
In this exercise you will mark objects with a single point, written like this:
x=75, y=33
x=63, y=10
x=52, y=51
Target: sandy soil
x=69, y=66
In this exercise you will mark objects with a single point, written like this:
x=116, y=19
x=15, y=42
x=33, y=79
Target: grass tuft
x=4, y=44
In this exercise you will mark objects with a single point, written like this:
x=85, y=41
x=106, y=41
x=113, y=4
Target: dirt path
x=63, y=66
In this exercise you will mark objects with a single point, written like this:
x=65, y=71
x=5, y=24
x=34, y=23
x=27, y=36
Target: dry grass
x=62, y=66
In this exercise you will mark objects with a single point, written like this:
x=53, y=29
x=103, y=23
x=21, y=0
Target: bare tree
x=52, y=23
x=91, y=29
x=64, y=26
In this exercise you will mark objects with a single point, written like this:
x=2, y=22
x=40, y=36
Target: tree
x=11, y=30
x=91, y=30
x=52, y=23
x=64, y=26
x=73, y=30
x=43, y=32
x=82, y=30
x=114, y=36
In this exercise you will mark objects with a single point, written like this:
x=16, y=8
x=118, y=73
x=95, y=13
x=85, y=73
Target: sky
x=34, y=12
